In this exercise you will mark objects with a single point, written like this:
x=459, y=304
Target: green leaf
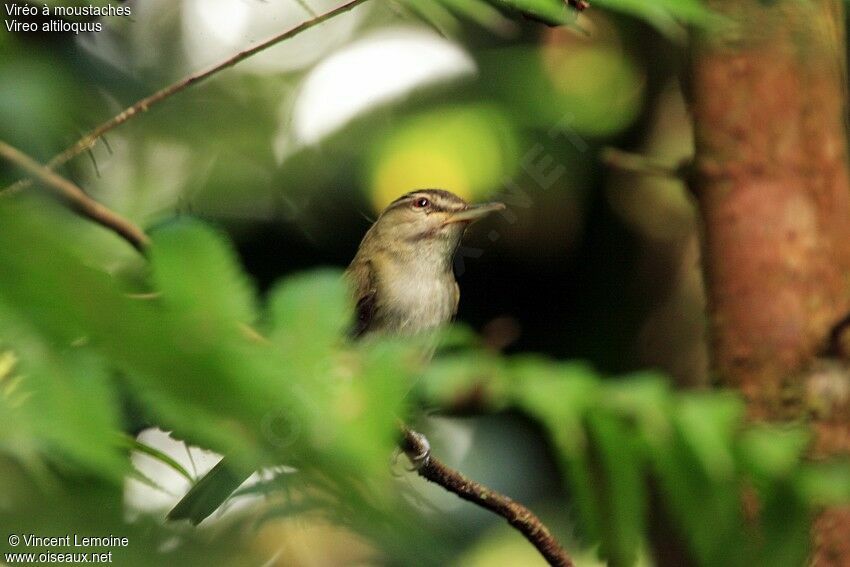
x=644, y=398
x=825, y=484
x=456, y=336
x=478, y=11
x=708, y=423
x=170, y=356
x=309, y=313
x=435, y=14
x=196, y=270
x=61, y=410
x=620, y=485
x=154, y=453
x=772, y=452
x=550, y=12
x=368, y=407
x=785, y=521
x=665, y=15
x=702, y=497
x=477, y=377
x=560, y=397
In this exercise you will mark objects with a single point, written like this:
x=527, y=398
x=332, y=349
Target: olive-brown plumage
x=402, y=275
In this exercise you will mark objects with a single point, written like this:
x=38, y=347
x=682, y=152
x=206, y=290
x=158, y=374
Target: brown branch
x=143, y=105
x=76, y=198
x=515, y=513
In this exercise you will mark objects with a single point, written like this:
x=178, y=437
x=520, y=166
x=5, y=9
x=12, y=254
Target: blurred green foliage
x=94, y=341
x=665, y=15
x=634, y=452
x=186, y=354
x=187, y=357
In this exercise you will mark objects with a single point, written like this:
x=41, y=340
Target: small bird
x=402, y=273
x=403, y=285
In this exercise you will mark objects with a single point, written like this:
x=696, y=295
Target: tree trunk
x=771, y=178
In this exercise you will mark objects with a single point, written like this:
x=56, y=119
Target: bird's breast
x=417, y=300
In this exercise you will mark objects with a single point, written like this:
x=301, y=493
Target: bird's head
x=427, y=222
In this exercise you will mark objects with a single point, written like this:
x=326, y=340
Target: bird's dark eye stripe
x=411, y=199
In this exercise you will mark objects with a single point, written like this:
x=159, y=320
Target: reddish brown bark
x=771, y=179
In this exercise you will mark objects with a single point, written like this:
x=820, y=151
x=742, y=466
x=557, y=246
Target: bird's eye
x=421, y=203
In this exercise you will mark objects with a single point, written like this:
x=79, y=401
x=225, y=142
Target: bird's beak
x=474, y=212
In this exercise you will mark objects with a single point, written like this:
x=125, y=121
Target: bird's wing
x=365, y=294
x=365, y=313
x=457, y=300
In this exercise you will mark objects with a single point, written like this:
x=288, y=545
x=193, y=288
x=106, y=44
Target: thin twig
x=143, y=105
x=515, y=513
x=644, y=165
x=76, y=198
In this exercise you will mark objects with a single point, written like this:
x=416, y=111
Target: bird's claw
x=421, y=458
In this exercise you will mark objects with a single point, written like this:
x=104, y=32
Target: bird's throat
x=415, y=295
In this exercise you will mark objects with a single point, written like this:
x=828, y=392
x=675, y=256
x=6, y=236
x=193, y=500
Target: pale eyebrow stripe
x=439, y=201
x=403, y=200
